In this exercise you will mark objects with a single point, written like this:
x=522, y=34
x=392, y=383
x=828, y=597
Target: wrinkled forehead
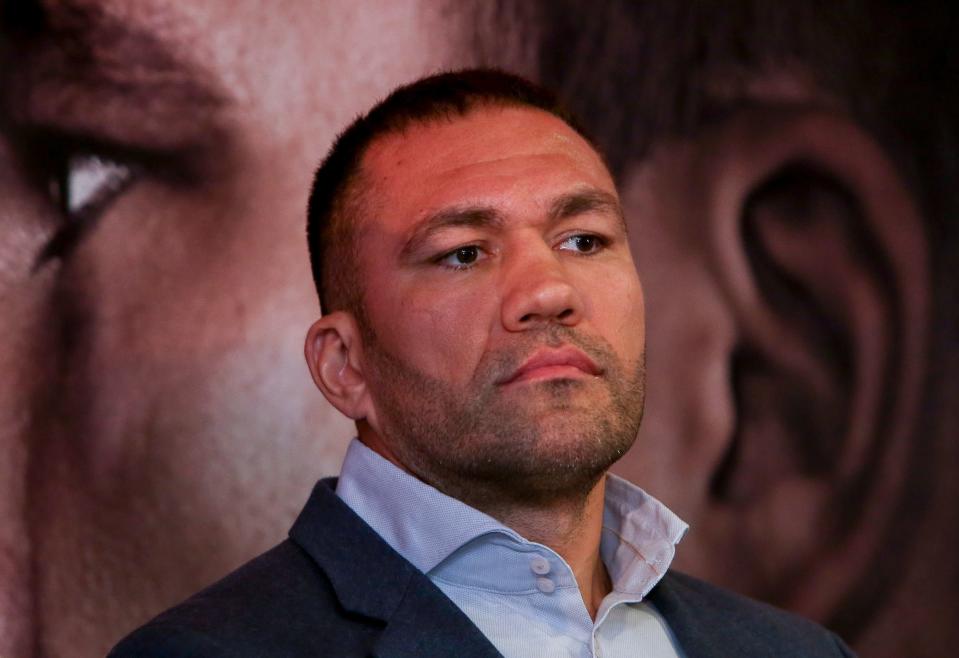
x=484, y=152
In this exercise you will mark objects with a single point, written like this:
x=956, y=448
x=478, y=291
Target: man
x=484, y=330
x=154, y=158
x=159, y=380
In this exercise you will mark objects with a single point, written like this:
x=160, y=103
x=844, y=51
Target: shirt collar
x=420, y=522
x=639, y=537
x=426, y=526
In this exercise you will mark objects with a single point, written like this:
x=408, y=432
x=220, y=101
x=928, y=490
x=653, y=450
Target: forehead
x=491, y=156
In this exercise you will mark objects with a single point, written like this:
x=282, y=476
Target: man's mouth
x=554, y=363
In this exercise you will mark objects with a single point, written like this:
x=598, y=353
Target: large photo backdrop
x=788, y=172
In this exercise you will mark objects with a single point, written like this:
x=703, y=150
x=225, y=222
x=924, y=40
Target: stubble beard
x=549, y=441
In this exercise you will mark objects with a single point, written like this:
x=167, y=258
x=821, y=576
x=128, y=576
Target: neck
x=572, y=526
x=573, y=529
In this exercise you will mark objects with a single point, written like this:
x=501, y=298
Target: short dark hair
x=336, y=194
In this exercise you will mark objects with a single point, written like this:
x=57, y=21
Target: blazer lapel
x=429, y=625
x=685, y=620
x=373, y=580
x=710, y=622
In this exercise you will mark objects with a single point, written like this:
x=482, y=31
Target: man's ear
x=333, y=353
x=829, y=276
x=787, y=371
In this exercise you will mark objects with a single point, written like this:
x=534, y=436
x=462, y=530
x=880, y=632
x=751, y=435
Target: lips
x=553, y=363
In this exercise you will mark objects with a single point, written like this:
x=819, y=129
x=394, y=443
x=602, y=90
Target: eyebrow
x=82, y=70
x=580, y=202
x=567, y=205
x=471, y=216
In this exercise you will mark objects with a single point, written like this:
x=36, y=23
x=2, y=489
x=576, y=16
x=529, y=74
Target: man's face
x=156, y=424
x=505, y=346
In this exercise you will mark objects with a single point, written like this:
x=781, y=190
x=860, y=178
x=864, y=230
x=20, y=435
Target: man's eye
x=461, y=258
x=86, y=184
x=82, y=186
x=583, y=243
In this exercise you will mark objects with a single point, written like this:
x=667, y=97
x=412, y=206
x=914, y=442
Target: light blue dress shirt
x=520, y=594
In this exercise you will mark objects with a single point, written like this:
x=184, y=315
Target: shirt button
x=539, y=565
x=545, y=585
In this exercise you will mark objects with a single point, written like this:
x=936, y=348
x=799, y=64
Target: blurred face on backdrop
x=154, y=273
x=791, y=205
x=787, y=270
x=504, y=353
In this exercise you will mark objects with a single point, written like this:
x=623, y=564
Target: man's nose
x=538, y=291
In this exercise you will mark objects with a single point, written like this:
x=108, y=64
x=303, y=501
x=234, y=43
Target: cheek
x=617, y=309
x=631, y=331
x=441, y=333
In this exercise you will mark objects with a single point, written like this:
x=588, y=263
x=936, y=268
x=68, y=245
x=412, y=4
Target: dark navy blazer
x=335, y=588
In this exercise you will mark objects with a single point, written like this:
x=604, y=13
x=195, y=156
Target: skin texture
x=152, y=381
x=539, y=280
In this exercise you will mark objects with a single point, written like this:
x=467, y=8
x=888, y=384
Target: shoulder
x=703, y=614
x=279, y=604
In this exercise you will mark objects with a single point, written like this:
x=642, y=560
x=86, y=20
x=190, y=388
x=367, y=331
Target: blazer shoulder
x=157, y=640
x=701, y=614
x=278, y=604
